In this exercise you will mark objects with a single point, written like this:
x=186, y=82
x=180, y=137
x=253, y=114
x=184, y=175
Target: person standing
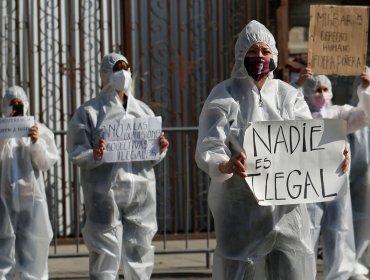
x=120, y=197
x=360, y=188
x=333, y=219
x=249, y=236
x=25, y=228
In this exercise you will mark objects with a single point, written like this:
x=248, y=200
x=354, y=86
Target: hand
x=365, y=79
x=34, y=134
x=346, y=161
x=306, y=73
x=235, y=165
x=98, y=150
x=163, y=143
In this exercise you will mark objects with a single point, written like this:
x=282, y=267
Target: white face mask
x=121, y=80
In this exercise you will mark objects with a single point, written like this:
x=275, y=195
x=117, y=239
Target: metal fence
x=178, y=50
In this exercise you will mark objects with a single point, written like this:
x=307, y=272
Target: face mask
x=320, y=100
x=294, y=76
x=258, y=67
x=121, y=80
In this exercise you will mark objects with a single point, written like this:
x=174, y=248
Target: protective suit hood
x=252, y=33
x=310, y=86
x=10, y=94
x=106, y=68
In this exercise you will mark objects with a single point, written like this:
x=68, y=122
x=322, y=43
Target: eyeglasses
x=120, y=65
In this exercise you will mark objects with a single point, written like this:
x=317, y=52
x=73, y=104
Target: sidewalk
x=167, y=266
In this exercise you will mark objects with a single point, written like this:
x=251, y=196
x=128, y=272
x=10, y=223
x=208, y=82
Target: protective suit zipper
x=260, y=103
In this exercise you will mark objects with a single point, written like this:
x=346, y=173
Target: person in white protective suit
x=250, y=237
x=360, y=188
x=25, y=228
x=334, y=218
x=120, y=198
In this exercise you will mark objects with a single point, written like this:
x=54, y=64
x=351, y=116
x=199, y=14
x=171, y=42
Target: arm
x=359, y=116
x=44, y=153
x=163, y=148
x=80, y=138
x=306, y=73
x=363, y=93
x=212, y=153
x=163, y=144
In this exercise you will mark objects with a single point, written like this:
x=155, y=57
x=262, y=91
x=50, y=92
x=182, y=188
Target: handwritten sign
x=290, y=162
x=337, y=41
x=16, y=127
x=133, y=139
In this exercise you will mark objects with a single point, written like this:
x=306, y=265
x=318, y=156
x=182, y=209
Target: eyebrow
x=254, y=47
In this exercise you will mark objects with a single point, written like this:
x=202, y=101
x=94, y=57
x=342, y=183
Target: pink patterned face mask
x=258, y=67
x=321, y=100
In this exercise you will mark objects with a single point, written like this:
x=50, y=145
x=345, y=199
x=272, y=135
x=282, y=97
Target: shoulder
x=91, y=106
x=285, y=88
x=286, y=92
x=143, y=106
x=94, y=102
x=220, y=91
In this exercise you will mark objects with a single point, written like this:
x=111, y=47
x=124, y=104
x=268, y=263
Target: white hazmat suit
x=334, y=218
x=25, y=229
x=360, y=189
x=120, y=198
x=250, y=236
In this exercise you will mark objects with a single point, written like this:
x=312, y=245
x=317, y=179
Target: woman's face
x=16, y=101
x=321, y=90
x=259, y=50
x=17, y=107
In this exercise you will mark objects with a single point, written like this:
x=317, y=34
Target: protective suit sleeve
x=44, y=152
x=214, y=129
x=161, y=157
x=364, y=99
x=80, y=141
x=358, y=117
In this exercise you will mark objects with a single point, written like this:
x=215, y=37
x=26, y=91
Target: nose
x=259, y=53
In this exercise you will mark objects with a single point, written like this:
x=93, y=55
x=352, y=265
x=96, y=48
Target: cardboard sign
x=133, y=139
x=290, y=162
x=337, y=42
x=16, y=127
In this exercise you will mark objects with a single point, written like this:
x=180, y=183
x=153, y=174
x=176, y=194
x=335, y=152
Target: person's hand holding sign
x=99, y=150
x=236, y=165
x=163, y=143
x=305, y=74
x=346, y=161
x=34, y=134
x=365, y=79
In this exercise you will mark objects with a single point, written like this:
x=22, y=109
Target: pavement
x=175, y=265
x=191, y=264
